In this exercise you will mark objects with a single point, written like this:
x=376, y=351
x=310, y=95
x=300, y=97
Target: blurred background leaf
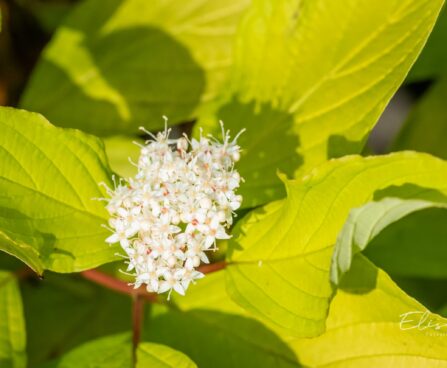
x=49, y=13
x=426, y=127
x=121, y=152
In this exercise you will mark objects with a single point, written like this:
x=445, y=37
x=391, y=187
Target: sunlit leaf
x=48, y=180
x=310, y=80
x=279, y=266
x=364, y=327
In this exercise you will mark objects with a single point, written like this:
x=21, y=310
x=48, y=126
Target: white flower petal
x=179, y=288
x=164, y=287
x=114, y=238
x=209, y=241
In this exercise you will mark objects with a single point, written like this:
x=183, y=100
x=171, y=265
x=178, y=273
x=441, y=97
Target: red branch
x=123, y=287
x=213, y=267
x=117, y=285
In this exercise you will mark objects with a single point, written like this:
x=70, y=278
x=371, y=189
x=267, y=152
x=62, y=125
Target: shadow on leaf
x=216, y=339
x=130, y=77
x=269, y=145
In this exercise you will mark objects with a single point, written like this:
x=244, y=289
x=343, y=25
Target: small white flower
x=180, y=202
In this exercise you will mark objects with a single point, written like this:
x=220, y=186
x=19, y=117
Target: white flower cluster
x=181, y=200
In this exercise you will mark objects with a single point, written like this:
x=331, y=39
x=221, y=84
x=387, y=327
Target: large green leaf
x=12, y=324
x=48, y=179
x=426, y=128
x=215, y=332
x=279, y=266
x=311, y=78
x=115, y=351
x=366, y=222
x=364, y=327
x=121, y=64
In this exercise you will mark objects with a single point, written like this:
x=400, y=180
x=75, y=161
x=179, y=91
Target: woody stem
x=123, y=287
x=137, y=322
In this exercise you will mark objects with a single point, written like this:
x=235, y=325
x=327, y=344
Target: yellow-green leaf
x=311, y=78
x=49, y=178
x=281, y=253
x=372, y=323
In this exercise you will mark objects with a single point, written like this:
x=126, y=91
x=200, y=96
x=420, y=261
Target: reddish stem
x=122, y=287
x=117, y=285
x=213, y=267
